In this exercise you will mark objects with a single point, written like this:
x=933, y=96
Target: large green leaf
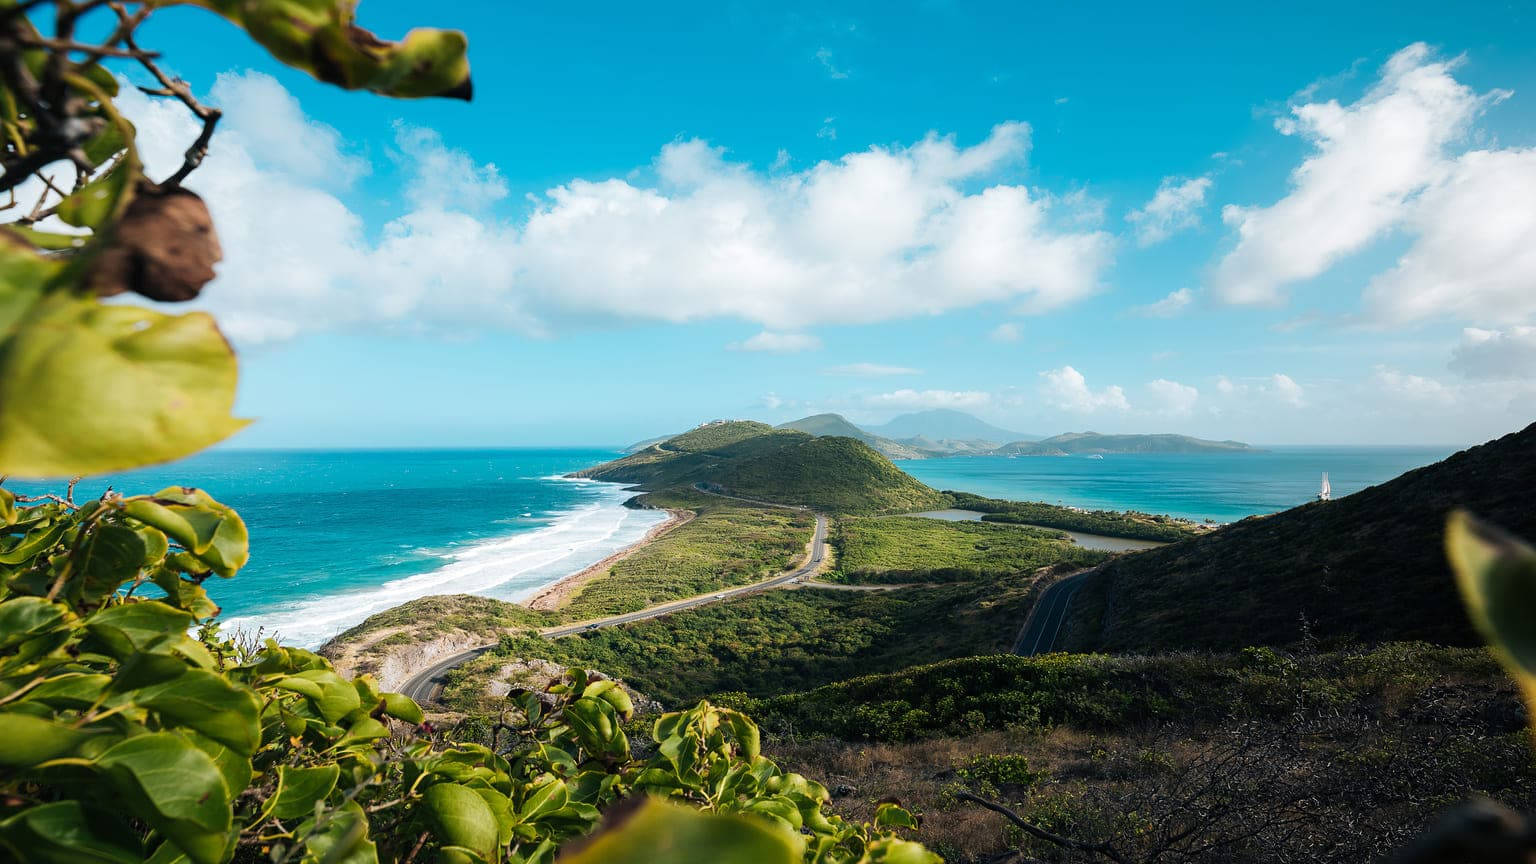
x=300, y=788
x=661, y=833
x=87, y=388
x=212, y=532
x=176, y=788
x=1497, y=577
x=26, y=740
x=132, y=627
x=461, y=818
x=64, y=832
x=343, y=839
x=321, y=38
x=23, y=618
x=106, y=558
x=202, y=700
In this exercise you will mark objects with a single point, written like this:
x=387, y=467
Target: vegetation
x=1108, y=523
x=834, y=425
x=913, y=549
x=777, y=641
x=1365, y=568
x=1083, y=443
x=751, y=460
x=726, y=544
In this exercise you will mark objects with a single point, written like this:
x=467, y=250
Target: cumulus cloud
x=1169, y=306
x=1068, y=390
x=878, y=234
x=1508, y=355
x=1278, y=387
x=778, y=343
x=1411, y=388
x=1171, y=397
x=957, y=399
x=871, y=370
x=1174, y=207
x=1371, y=163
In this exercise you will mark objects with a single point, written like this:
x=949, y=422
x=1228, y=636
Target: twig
x=1103, y=849
x=179, y=89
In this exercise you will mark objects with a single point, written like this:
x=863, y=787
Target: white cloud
x=957, y=399
x=1286, y=390
x=1474, y=256
x=1371, y=160
x=1174, y=207
x=1068, y=390
x=1508, y=355
x=778, y=343
x=1169, y=306
x=1412, y=388
x=1005, y=332
x=879, y=234
x=871, y=370
x=1171, y=397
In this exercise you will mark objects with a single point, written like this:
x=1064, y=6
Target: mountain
x=1084, y=443
x=1367, y=567
x=835, y=424
x=833, y=474
x=940, y=424
x=641, y=445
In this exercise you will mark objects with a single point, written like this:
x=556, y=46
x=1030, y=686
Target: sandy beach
x=556, y=595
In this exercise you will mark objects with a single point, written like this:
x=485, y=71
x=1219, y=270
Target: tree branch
x=1103, y=849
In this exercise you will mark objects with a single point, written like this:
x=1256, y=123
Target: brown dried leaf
x=164, y=248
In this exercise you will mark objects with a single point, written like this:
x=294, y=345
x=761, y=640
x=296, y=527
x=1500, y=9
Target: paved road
x=1043, y=625
x=425, y=685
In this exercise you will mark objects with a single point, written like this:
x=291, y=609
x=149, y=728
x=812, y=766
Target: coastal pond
x=1087, y=541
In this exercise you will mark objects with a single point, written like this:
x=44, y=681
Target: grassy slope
x=1368, y=567
x=727, y=544
x=911, y=549
x=782, y=640
x=837, y=475
x=1109, y=523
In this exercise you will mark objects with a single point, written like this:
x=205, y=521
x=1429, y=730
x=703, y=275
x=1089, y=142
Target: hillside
x=1086, y=443
x=754, y=460
x=944, y=424
x=823, y=425
x=1367, y=567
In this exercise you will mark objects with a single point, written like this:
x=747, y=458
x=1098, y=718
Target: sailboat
x=1326, y=492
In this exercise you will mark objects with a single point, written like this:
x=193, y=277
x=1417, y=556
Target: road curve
x=1043, y=626
x=425, y=685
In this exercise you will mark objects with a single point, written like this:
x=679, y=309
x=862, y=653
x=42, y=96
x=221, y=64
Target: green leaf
x=402, y=708
x=1497, y=577
x=888, y=815
x=7, y=508
x=205, y=701
x=87, y=388
x=211, y=531
x=544, y=799
x=138, y=626
x=337, y=698
x=65, y=832
x=26, y=740
x=461, y=818
x=321, y=38
x=674, y=834
x=176, y=788
x=105, y=559
x=25, y=618
x=342, y=840
x=101, y=199
x=300, y=788
x=890, y=850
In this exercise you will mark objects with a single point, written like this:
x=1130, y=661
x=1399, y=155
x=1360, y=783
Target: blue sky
x=1300, y=225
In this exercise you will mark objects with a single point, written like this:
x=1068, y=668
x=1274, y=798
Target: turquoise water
x=337, y=536
x=1220, y=486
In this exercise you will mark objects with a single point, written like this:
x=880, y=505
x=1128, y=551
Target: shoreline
x=554, y=595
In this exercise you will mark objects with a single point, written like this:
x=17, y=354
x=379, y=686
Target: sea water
x=338, y=536
x=1222, y=487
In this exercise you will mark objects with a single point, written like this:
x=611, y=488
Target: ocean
x=338, y=536
x=1222, y=487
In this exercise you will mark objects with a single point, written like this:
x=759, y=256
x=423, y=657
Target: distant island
x=942, y=432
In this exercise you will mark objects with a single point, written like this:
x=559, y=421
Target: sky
x=1308, y=224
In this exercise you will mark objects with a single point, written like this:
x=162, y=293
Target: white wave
x=510, y=568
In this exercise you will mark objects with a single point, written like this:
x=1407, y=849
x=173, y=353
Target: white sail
x=1326, y=493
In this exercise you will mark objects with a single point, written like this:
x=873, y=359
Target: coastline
x=556, y=594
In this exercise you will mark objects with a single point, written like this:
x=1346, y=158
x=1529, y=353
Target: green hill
x=835, y=425
x=753, y=460
x=1367, y=567
x=1086, y=443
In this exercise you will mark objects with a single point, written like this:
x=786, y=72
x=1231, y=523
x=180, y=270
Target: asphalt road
x=425, y=685
x=1045, y=619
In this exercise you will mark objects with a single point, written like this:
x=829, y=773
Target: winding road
x=1038, y=636
x=425, y=685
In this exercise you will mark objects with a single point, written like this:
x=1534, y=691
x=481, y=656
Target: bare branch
x=1036, y=831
